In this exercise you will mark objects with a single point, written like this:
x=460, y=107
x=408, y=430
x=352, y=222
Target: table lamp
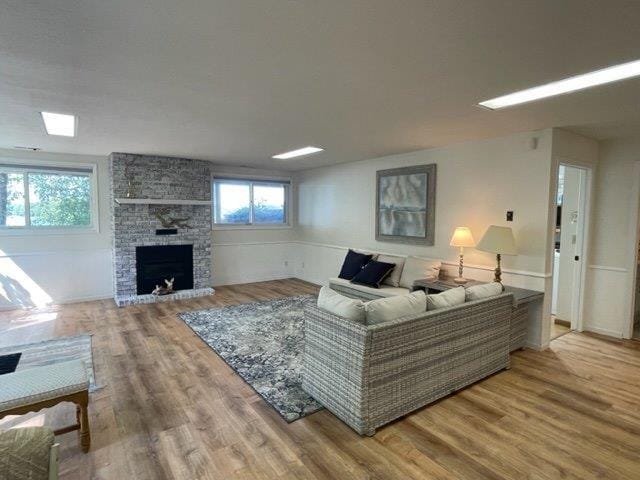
x=498, y=240
x=462, y=238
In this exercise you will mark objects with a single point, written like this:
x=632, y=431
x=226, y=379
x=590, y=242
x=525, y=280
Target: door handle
x=576, y=258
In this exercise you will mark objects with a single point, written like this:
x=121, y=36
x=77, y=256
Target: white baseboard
x=603, y=331
x=88, y=298
x=254, y=279
x=536, y=347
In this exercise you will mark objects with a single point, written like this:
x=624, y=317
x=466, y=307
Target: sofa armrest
x=335, y=361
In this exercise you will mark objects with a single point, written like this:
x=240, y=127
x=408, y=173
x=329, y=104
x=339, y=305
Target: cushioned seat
x=363, y=292
x=35, y=385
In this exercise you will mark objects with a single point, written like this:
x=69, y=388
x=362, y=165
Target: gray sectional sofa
x=370, y=375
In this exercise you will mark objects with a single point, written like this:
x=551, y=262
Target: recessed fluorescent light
x=571, y=84
x=298, y=153
x=59, y=124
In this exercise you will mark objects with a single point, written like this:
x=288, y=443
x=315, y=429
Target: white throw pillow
x=483, y=291
x=448, y=298
x=393, y=278
x=390, y=308
x=416, y=268
x=344, y=307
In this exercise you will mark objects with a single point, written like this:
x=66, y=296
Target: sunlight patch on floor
x=32, y=320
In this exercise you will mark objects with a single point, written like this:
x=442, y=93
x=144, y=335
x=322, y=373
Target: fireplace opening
x=156, y=264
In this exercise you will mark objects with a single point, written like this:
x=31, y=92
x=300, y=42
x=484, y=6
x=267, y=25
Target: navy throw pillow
x=353, y=263
x=373, y=273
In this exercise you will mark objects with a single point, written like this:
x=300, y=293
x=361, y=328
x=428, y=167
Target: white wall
x=255, y=254
x=36, y=268
x=611, y=269
x=477, y=182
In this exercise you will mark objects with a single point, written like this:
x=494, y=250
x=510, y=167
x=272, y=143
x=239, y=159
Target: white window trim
x=30, y=230
x=255, y=179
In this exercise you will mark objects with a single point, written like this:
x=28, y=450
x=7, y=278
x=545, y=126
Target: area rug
x=263, y=342
x=56, y=350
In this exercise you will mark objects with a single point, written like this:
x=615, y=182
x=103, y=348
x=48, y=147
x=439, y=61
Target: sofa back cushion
x=393, y=278
x=353, y=263
x=416, y=268
x=391, y=308
x=341, y=306
x=448, y=298
x=373, y=273
x=483, y=291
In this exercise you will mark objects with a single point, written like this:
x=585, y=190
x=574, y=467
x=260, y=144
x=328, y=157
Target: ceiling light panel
x=571, y=84
x=298, y=153
x=59, y=124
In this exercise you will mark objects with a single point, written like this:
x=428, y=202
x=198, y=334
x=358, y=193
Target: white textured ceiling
x=237, y=81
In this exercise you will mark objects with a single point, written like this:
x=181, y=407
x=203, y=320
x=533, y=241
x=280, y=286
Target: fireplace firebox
x=154, y=264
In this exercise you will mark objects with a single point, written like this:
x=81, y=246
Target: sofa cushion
x=416, y=268
x=373, y=273
x=362, y=291
x=485, y=290
x=342, y=306
x=393, y=278
x=448, y=298
x=353, y=263
x=386, y=309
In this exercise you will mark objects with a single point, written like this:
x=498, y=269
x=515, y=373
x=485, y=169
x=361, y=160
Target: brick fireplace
x=137, y=223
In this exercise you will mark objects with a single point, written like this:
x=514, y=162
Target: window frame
x=251, y=181
x=27, y=165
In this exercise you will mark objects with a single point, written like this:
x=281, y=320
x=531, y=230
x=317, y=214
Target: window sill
x=46, y=231
x=250, y=227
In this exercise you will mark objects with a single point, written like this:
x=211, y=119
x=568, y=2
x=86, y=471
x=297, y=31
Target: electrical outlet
x=286, y=263
x=302, y=264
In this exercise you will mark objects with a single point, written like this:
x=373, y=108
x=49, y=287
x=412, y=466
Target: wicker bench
x=36, y=388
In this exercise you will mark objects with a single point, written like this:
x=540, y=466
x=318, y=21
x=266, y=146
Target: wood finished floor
x=172, y=409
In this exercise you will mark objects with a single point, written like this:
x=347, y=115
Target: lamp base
x=460, y=280
x=498, y=271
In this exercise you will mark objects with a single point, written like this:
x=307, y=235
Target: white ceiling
x=237, y=81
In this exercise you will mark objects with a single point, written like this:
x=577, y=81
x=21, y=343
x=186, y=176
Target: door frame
x=580, y=272
x=632, y=249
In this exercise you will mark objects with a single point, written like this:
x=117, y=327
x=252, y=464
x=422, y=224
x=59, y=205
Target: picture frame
x=406, y=204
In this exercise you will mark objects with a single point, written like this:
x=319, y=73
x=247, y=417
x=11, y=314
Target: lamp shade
x=462, y=238
x=498, y=240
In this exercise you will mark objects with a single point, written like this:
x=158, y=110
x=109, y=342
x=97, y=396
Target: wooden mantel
x=160, y=201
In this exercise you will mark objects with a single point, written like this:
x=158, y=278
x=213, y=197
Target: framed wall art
x=406, y=204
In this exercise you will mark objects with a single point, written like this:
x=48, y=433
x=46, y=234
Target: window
x=250, y=202
x=45, y=196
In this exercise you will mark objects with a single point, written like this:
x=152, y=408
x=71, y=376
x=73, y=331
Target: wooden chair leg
x=82, y=412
